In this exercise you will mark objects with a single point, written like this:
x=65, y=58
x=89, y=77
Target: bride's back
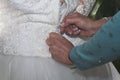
x=27, y=24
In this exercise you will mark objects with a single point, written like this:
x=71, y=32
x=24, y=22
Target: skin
x=59, y=48
x=73, y=25
x=80, y=25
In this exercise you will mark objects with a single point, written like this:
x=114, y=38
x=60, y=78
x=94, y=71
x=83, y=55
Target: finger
x=75, y=28
x=60, y=55
x=63, y=24
x=53, y=41
x=51, y=49
x=85, y=34
x=62, y=30
x=60, y=38
x=71, y=29
x=69, y=21
x=55, y=35
x=55, y=52
x=77, y=32
x=72, y=15
x=74, y=19
x=48, y=41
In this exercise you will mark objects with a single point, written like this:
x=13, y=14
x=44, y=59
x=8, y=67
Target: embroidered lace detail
x=26, y=24
x=85, y=6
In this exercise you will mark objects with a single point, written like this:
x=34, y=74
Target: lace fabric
x=24, y=32
x=85, y=6
x=28, y=24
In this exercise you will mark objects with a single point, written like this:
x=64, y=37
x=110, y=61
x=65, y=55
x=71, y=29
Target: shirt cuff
x=77, y=58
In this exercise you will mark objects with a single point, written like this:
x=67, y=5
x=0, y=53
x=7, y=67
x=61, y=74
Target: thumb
x=67, y=22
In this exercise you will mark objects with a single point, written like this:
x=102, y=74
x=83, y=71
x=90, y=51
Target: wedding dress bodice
x=26, y=24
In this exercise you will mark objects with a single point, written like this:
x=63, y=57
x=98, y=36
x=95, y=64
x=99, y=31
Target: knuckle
x=76, y=14
x=51, y=34
x=67, y=21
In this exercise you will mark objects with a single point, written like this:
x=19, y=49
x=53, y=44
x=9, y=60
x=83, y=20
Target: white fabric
x=28, y=24
x=26, y=68
x=24, y=27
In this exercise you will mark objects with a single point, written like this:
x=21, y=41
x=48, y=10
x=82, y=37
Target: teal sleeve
x=103, y=47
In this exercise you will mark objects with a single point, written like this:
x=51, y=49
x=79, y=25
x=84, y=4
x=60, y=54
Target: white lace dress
x=24, y=55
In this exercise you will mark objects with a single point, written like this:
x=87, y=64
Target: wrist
x=99, y=23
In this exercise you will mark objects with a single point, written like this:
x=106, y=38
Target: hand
x=80, y=25
x=60, y=48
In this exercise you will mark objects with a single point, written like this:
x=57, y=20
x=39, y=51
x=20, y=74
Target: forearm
x=103, y=47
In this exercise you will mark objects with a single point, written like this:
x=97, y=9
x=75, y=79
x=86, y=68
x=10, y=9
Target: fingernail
x=77, y=32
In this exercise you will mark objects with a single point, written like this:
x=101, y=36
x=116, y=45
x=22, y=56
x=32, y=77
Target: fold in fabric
x=23, y=32
x=27, y=24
